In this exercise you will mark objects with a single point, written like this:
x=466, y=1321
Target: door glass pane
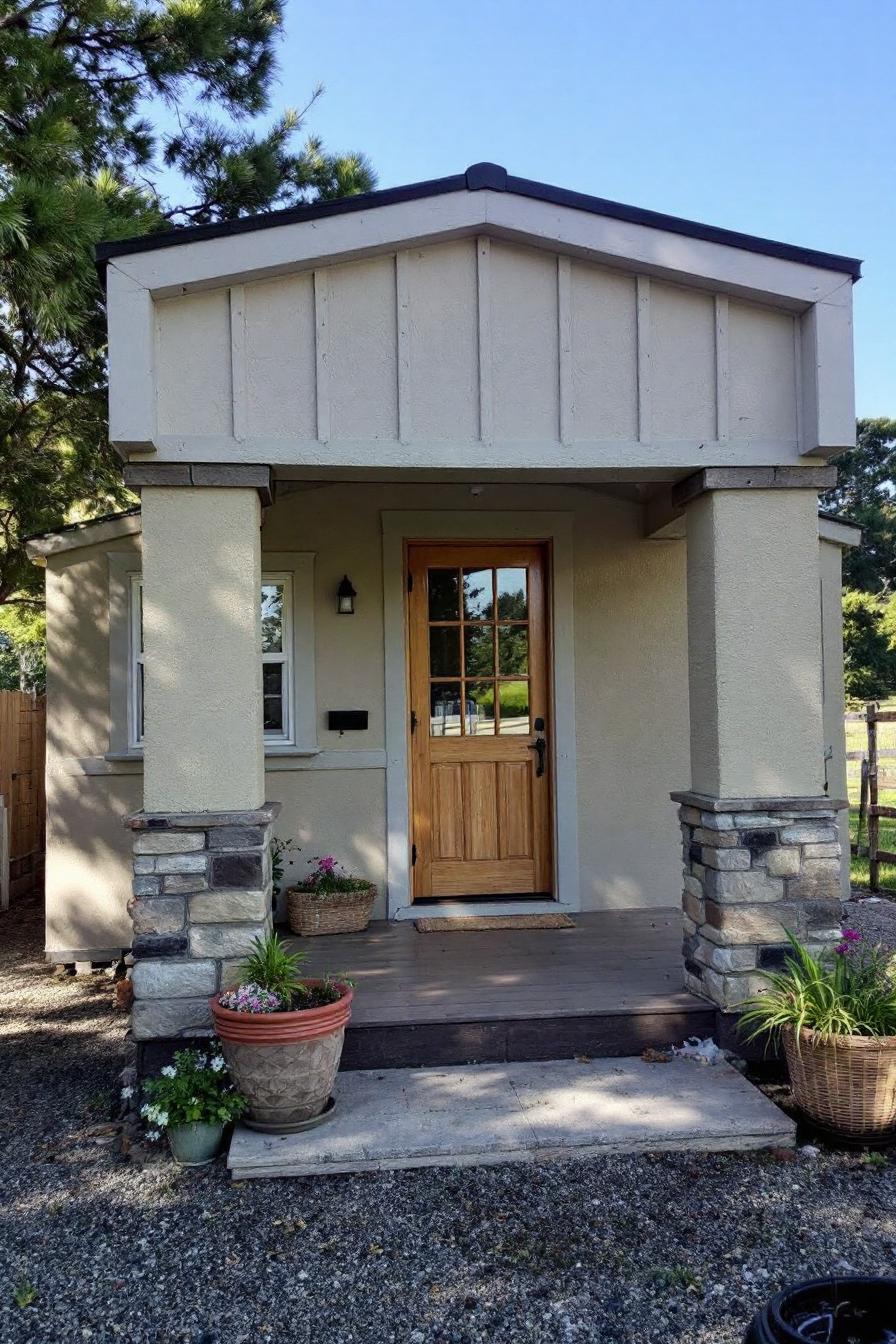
x=513, y=699
x=444, y=595
x=444, y=650
x=444, y=709
x=513, y=650
x=272, y=617
x=513, y=600
x=479, y=650
x=272, y=683
x=478, y=594
x=479, y=718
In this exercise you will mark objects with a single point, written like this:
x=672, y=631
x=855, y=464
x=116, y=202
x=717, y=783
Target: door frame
x=399, y=528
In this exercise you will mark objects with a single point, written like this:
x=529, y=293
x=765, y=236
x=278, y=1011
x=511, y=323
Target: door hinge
x=413, y=720
x=413, y=855
x=410, y=582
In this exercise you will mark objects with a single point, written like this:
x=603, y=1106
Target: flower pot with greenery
x=192, y=1102
x=836, y=1017
x=282, y=1037
x=330, y=901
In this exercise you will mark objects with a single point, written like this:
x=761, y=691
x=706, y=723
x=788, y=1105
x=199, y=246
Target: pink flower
x=851, y=936
x=327, y=864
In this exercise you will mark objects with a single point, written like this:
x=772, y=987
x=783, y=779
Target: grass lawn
x=857, y=740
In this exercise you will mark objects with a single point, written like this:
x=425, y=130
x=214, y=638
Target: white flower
x=152, y=1135
x=161, y=1118
x=169, y=1071
x=218, y=1063
x=127, y=1092
x=144, y=1109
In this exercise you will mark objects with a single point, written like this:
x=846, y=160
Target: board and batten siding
x=471, y=341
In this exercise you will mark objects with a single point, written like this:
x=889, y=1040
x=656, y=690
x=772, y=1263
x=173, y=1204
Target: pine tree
x=79, y=163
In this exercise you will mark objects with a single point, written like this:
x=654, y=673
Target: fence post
x=873, y=818
x=863, y=807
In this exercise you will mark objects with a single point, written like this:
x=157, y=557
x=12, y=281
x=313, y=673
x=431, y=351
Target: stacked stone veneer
x=201, y=894
x=748, y=876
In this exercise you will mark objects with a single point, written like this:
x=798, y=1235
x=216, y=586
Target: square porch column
x=202, y=871
x=761, y=842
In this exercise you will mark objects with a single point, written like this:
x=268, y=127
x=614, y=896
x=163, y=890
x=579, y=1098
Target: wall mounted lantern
x=345, y=597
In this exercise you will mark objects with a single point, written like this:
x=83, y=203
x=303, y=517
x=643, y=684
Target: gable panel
x=362, y=379
x=193, y=364
x=524, y=339
x=683, y=363
x=443, y=359
x=604, y=354
x=763, y=374
x=280, y=358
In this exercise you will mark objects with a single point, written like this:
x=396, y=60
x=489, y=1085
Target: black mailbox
x=346, y=720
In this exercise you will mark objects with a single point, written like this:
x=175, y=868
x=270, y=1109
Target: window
x=276, y=658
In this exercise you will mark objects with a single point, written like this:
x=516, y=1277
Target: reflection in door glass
x=479, y=717
x=513, y=650
x=444, y=595
x=513, y=700
x=444, y=709
x=513, y=602
x=478, y=595
x=444, y=650
x=479, y=650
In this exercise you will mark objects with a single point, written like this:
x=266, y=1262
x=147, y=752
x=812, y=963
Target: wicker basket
x=312, y=913
x=847, y=1083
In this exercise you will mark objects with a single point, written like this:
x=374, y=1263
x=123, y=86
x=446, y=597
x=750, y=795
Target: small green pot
x=195, y=1145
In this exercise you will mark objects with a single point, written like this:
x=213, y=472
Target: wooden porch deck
x=610, y=986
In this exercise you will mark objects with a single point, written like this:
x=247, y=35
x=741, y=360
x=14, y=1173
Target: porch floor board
x=609, y=986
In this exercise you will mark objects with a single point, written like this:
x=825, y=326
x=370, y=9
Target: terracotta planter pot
x=846, y=1083
x=284, y=1064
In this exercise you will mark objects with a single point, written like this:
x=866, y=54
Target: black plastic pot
x=853, y=1310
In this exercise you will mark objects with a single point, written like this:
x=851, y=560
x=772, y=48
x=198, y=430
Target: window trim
x=135, y=659
x=286, y=658
x=298, y=568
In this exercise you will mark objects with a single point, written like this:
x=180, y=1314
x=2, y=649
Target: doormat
x=478, y=923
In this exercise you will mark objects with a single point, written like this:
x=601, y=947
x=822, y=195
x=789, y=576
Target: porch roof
x=480, y=177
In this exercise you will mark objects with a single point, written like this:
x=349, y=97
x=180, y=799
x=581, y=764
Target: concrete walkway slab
x=487, y=1113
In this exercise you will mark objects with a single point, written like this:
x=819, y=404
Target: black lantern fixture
x=345, y=597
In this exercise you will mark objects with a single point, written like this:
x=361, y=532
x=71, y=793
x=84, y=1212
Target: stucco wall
x=830, y=562
x=631, y=678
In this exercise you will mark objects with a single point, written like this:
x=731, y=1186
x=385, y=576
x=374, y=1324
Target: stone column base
x=754, y=868
x=201, y=895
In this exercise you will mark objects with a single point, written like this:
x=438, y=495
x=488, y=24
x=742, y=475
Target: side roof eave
x=74, y=536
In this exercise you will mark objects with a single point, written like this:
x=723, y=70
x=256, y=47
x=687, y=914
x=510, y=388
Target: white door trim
x=400, y=526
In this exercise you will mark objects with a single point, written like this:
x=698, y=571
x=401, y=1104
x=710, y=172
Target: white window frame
x=135, y=660
x=286, y=737
x=288, y=657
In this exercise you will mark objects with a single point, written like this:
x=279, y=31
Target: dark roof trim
x=480, y=177
x=838, y=518
x=82, y=526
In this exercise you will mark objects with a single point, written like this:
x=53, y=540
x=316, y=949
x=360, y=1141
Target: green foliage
x=272, y=966
x=328, y=875
x=866, y=492
x=850, y=992
x=195, y=1089
x=23, y=656
x=869, y=647
x=24, y=1293
x=279, y=850
x=79, y=159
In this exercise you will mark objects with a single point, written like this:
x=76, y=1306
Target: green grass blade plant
x=272, y=966
x=850, y=991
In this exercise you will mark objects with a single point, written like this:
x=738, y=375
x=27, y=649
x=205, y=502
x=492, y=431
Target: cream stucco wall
x=631, y=701
x=831, y=566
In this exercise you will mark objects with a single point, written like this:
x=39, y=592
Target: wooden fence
x=876, y=775
x=23, y=803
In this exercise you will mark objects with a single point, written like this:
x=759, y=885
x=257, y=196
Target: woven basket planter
x=312, y=913
x=847, y=1083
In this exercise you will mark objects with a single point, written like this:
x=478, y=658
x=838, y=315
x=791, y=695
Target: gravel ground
x=873, y=916
x=672, y=1248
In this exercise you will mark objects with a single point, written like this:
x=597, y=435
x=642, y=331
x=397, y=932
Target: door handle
x=539, y=746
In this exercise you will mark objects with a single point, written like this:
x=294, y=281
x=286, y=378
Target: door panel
x=479, y=684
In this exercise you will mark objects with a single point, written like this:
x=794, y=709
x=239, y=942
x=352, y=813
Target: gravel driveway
x=672, y=1249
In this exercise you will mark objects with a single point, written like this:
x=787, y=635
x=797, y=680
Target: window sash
x=284, y=657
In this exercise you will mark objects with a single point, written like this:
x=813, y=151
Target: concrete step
x=519, y=1112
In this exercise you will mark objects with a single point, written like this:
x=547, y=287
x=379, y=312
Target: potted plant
x=280, y=852
x=192, y=1101
x=282, y=1037
x=836, y=1017
x=330, y=901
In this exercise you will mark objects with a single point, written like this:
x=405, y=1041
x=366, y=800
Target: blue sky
x=776, y=117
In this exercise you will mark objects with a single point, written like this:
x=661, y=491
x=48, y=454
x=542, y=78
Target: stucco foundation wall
x=631, y=679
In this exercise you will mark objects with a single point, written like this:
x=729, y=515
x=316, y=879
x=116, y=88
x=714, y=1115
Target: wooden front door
x=481, y=778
